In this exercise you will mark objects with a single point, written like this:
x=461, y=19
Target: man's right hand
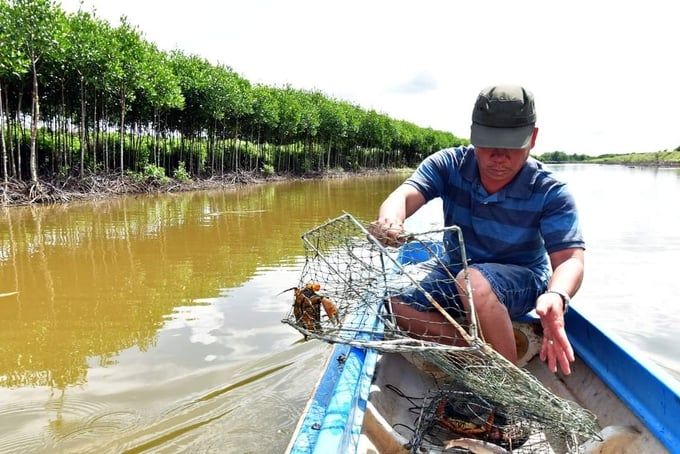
x=402, y=203
x=556, y=349
x=390, y=232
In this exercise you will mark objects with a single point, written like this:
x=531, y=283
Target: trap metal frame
x=361, y=275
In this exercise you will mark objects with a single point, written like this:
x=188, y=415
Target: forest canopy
x=80, y=95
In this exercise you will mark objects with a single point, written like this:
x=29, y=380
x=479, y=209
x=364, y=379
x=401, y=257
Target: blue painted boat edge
x=371, y=361
x=344, y=417
x=341, y=427
x=333, y=418
x=305, y=436
x=649, y=391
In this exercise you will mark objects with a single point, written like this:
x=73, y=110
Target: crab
x=307, y=307
x=491, y=427
x=449, y=419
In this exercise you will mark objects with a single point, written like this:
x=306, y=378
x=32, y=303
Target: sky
x=604, y=74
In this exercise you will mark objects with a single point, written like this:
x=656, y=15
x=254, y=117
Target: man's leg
x=492, y=315
x=425, y=325
x=499, y=292
x=414, y=312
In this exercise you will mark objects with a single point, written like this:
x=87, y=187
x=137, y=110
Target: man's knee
x=482, y=294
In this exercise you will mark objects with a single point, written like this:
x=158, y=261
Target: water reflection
x=154, y=321
x=96, y=279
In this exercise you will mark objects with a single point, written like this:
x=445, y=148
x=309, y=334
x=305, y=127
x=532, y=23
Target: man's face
x=500, y=165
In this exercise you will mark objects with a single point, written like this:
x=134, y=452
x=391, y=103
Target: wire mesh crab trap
x=349, y=280
x=453, y=419
x=348, y=290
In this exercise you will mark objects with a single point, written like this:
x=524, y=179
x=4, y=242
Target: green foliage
x=153, y=173
x=37, y=28
x=89, y=47
x=136, y=177
x=180, y=173
x=125, y=71
x=560, y=156
x=265, y=108
x=654, y=158
x=63, y=172
x=179, y=112
x=268, y=170
x=13, y=62
x=159, y=87
x=658, y=158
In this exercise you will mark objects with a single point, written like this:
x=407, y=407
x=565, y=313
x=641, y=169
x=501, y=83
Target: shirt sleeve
x=560, y=224
x=432, y=174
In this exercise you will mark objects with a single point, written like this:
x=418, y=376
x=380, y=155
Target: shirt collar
x=520, y=187
x=468, y=165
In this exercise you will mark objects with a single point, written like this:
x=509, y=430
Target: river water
x=153, y=322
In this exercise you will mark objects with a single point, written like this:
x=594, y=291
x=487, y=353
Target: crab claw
x=330, y=309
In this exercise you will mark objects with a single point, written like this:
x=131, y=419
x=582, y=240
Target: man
x=519, y=224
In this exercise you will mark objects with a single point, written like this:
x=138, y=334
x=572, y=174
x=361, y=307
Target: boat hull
x=613, y=382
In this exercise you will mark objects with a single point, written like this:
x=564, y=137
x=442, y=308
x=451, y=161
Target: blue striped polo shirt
x=532, y=216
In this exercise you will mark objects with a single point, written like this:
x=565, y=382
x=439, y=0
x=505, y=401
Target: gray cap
x=504, y=117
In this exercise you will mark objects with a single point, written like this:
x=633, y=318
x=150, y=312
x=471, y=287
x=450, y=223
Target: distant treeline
x=77, y=93
x=658, y=158
x=560, y=156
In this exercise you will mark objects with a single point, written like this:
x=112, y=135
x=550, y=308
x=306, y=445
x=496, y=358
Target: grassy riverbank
x=665, y=158
x=658, y=159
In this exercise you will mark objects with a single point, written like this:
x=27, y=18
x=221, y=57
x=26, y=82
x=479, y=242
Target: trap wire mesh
x=348, y=289
x=456, y=420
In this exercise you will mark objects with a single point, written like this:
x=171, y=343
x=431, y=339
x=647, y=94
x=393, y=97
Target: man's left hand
x=556, y=348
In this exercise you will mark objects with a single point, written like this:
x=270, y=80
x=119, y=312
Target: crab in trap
x=474, y=422
x=307, y=307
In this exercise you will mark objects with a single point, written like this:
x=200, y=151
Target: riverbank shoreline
x=660, y=165
x=102, y=186
x=94, y=187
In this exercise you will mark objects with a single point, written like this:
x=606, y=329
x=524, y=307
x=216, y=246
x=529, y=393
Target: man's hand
x=402, y=203
x=556, y=348
x=390, y=232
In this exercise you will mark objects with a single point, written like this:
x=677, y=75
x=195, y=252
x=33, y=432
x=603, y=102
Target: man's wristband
x=565, y=299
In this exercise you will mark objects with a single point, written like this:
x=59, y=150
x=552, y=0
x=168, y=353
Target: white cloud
x=601, y=71
x=420, y=83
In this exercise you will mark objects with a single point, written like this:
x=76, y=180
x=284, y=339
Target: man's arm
x=568, y=266
x=402, y=203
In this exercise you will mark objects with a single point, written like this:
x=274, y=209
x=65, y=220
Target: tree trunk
x=260, y=151
x=35, y=113
x=63, y=132
x=82, y=126
x=10, y=134
x=19, y=135
x=2, y=141
x=96, y=130
x=155, y=129
x=106, y=141
x=238, y=142
x=328, y=155
x=122, y=130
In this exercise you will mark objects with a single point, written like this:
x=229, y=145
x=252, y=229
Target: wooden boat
x=354, y=408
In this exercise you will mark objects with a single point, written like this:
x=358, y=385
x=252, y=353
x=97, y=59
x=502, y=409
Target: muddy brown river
x=152, y=323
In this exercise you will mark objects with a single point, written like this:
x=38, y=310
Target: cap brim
x=490, y=137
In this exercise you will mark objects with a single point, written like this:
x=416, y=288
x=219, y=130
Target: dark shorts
x=516, y=287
